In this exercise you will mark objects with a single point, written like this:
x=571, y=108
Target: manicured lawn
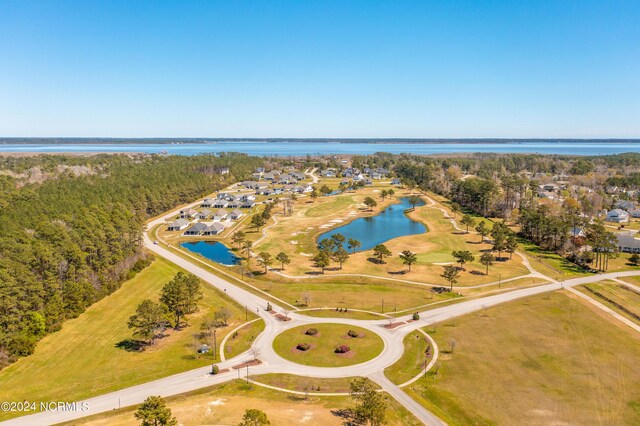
x=547, y=359
x=413, y=359
x=225, y=404
x=321, y=353
x=240, y=342
x=83, y=358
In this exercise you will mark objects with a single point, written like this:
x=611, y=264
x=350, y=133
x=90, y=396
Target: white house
x=221, y=204
x=207, y=202
x=617, y=216
x=188, y=213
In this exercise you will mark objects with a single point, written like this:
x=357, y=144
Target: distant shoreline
x=182, y=141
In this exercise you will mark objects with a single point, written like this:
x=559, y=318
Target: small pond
x=213, y=250
x=391, y=223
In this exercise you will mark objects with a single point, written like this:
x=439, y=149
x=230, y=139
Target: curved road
x=273, y=363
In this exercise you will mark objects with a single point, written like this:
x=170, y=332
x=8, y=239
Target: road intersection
x=271, y=362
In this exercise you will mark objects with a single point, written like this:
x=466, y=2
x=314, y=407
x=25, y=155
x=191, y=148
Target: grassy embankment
x=84, y=358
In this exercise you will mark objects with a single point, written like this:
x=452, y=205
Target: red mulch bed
x=295, y=350
x=394, y=325
x=282, y=317
x=349, y=354
x=247, y=364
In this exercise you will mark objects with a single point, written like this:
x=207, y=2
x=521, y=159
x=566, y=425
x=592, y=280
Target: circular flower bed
x=303, y=346
x=342, y=349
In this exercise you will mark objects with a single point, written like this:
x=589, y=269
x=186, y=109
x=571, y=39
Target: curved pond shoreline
x=390, y=223
x=213, y=250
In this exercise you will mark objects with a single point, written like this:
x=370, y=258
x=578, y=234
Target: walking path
x=271, y=362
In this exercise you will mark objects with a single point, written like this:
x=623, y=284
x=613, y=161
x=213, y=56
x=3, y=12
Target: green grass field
x=413, y=359
x=547, y=359
x=82, y=359
x=241, y=342
x=321, y=353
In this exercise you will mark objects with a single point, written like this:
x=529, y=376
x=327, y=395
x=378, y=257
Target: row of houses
x=356, y=174
x=230, y=202
x=278, y=176
x=204, y=214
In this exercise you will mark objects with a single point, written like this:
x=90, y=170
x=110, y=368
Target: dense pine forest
x=70, y=229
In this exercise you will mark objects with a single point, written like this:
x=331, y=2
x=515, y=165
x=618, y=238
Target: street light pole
x=215, y=345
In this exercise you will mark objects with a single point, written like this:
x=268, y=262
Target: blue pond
x=371, y=231
x=213, y=250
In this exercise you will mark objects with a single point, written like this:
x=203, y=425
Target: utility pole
x=383, y=305
x=215, y=345
x=245, y=313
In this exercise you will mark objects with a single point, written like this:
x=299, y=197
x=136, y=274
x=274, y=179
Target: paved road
x=273, y=363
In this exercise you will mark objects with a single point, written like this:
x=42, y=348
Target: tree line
x=70, y=240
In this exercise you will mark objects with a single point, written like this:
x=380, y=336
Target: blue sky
x=368, y=68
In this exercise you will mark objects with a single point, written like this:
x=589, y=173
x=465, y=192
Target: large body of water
x=213, y=250
x=284, y=148
x=391, y=223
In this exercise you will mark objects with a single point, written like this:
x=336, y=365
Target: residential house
x=207, y=202
x=577, y=233
x=396, y=181
x=617, y=216
x=248, y=197
x=224, y=196
x=220, y=214
x=196, y=229
x=221, y=204
x=214, y=229
x=236, y=214
x=178, y=225
x=628, y=243
x=203, y=214
x=248, y=204
x=625, y=205
x=188, y=213
x=233, y=204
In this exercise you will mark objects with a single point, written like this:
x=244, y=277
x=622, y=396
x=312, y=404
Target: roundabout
x=328, y=344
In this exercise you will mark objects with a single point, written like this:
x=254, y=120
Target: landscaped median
x=328, y=345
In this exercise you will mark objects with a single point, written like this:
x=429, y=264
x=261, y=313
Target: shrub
x=416, y=316
x=269, y=307
x=311, y=331
x=342, y=349
x=214, y=369
x=303, y=346
x=352, y=333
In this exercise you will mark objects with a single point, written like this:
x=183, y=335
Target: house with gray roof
x=178, y=225
x=628, y=243
x=203, y=214
x=617, y=216
x=214, y=229
x=196, y=229
x=220, y=214
x=236, y=214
